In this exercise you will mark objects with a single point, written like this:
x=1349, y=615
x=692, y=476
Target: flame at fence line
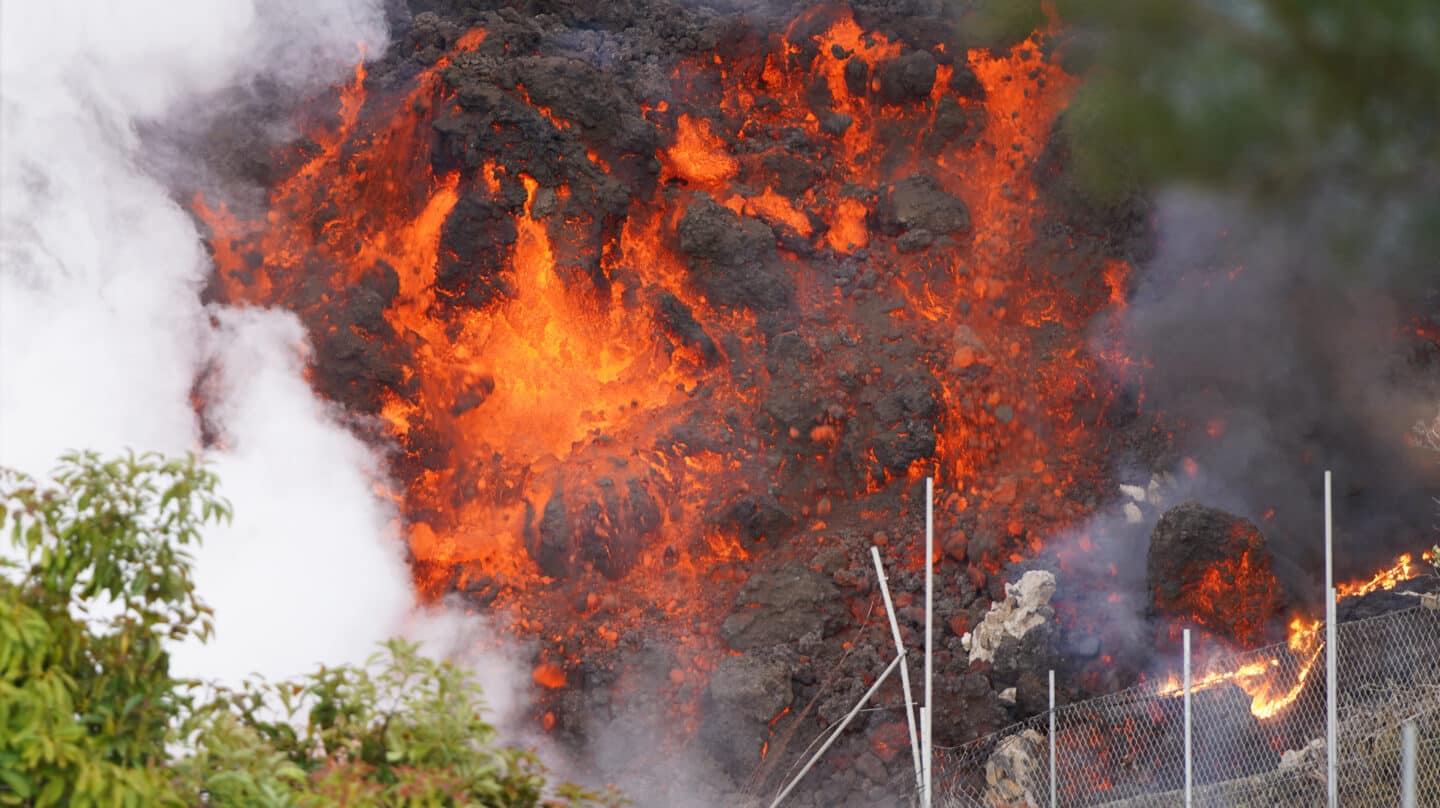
x=1264, y=679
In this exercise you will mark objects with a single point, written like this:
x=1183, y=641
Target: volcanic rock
x=680, y=321
x=354, y=367
x=475, y=248
x=1404, y=595
x=966, y=707
x=872, y=768
x=603, y=529
x=590, y=97
x=956, y=123
x=907, y=78
x=744, y=694
x=780, y=606
x=793, y=175
x=918, y=203
x=857, y=76
x=1213, y=567
x=733, y=257
x=1019, y=634
x=1014, y=774
x=758, y=516
x=1234, y=743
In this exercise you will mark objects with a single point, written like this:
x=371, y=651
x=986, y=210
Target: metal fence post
x=1332, y=741
x=904, y=669
x=927, y=757
x=1409, y=741
x=1052, y=738
x=839, y=730
x=1189, y=771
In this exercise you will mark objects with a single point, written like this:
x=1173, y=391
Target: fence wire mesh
x=1258, y=731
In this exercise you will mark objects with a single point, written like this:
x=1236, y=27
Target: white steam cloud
x=102, y=331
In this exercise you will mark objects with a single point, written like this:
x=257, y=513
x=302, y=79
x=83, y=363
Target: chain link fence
x=1258, y=730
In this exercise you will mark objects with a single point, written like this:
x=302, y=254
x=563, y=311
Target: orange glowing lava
x=576, y=413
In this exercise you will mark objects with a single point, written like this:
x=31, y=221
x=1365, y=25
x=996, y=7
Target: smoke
x=102, y=332
x=309, y=538
x=1279, y=356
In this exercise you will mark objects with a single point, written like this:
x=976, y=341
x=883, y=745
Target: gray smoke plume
x=1279, y=355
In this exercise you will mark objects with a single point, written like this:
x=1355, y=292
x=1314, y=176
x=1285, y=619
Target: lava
x=610, y=380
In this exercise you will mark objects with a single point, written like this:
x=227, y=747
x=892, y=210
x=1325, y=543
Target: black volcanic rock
x=966, y=707
x=1213, y=567
x=780, y=606
x=907, y=78
x=918, y=203
x=733, y=257
x=759, y=516
x=744, y=694
x=475, y=249
x=954, y=122
x=679, y=320
x=857, y=76
x=1404, y=595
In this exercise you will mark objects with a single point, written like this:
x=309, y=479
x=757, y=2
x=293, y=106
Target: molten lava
x=599, y=400
x=1238, y=596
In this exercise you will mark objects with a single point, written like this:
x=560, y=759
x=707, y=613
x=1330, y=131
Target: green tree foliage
x=1323, y=108
x=1268, y=93
x=401, y=730
x=102, y=583
x=91, y=715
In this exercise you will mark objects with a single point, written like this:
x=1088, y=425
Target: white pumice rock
x=1026, y=605
x=1133, y=515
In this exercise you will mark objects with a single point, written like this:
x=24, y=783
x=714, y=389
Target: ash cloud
x=103, y=333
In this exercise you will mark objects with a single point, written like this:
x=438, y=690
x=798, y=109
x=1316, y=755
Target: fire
x=1403, y=569
x=1273, y=683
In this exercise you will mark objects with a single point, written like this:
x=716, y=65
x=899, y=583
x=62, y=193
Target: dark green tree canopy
x=1320, y=112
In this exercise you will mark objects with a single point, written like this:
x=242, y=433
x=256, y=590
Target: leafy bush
x=90, y=713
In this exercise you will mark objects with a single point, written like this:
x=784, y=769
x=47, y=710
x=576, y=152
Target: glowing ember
x=1213, y=569
x=549, y=675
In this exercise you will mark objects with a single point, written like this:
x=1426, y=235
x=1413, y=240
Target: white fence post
x=1052, y=738
x=904, y=668
x=1189, y=772
x=854, y=711
x=1409, y=741
x=927, y=739
x=1332, y=740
